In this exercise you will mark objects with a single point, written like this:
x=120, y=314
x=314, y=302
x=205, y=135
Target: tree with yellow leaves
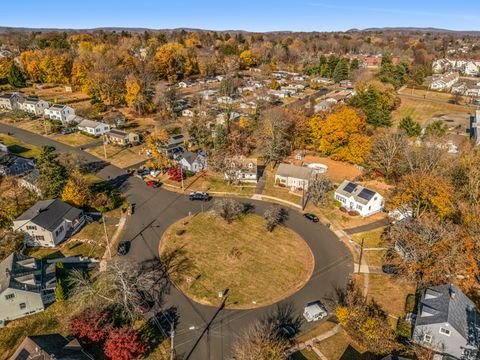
x=132, y=88
x=170, y=61
x=154, y=144
x=247, y=59
x=77, y=190
x=341, y=135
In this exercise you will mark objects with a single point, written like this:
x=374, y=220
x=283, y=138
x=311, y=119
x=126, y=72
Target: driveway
x=205, y=332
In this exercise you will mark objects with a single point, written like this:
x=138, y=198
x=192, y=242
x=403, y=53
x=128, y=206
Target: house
x=220, y=118
x=358, y=198
x=33, y=106
x=122, y=138
x=27, y=286
x=59, y=112
x=49, y=222
x=322, y=81
x=241, y=169
x=445, y=81
x=114, y=119
x=14, y=165
x=175, y=143
x=324, y=105
x=292, y=176
x=10, y=101
x=208, y=94
x=225, y=100
x=3, y=147
x=50, y=347
x=192, y=162
x=93, y=127
x=346, y=83
x=188, y=113
x=447, y=321
x=474, y=129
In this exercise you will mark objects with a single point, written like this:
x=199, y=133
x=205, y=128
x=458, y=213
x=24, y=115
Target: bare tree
x=274, y=216
x=318, y=190
x=229, y=209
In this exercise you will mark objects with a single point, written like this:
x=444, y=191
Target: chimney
x=7, y=272
x=453, y=295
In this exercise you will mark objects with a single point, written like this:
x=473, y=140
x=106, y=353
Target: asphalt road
x=205, y=332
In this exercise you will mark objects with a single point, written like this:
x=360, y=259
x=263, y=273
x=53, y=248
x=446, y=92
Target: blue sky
x=259, y=15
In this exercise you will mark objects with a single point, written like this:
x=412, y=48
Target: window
x=444, y=331
x=22, y=306
x=359, y=207
x=427, y=338
x=39, y=237
x=31, y=227
x=9, y=296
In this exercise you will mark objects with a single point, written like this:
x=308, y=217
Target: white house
x=93, y=127
x=59, y=112
x=358, y=198
x=241, y=169
x=292, y=176
x=49, y=222
x=188, y=113
x=445, y=81
x=192, y=162
x=33, y=106
x=10, y=101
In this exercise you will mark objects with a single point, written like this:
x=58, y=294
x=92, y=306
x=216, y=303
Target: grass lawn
x=422, y=110
x=52, y=320
x=276, y=191
x=317, y=330
x=18, y=147
x=372, y=239
x=341, y=346
x=75, y=139
x=390, y=292
x=304, y=355
x=258, y=267
x=374, y=257
x=118, y=156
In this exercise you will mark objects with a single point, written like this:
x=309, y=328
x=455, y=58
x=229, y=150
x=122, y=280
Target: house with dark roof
x=118, y=137
x=27, y=286
x=33, y=106
x=355, y=197
x=241, y=169
x=10, y=101
x=447, y=321
x=50, y=347
x=193, y=162
x=49, y=222
x=59, y=112
x=14, y=165
x=293, y=176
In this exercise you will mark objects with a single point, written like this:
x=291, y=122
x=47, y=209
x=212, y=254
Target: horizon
x=249, y=16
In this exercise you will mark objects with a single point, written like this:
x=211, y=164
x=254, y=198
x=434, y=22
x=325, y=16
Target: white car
x=314, y=311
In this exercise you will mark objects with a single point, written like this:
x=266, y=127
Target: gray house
x=447, y=321
x=10, y=101
x=27, y=285
x=192, y=162
x=50, y=347
x=14, y=165
x=49, y=222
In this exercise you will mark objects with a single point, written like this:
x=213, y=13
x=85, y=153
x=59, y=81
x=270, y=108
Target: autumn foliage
x=124, y=344
x=92, y=324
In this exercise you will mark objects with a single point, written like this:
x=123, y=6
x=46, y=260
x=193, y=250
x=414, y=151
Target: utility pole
x=172, y=335
x=361, y=255
x=181, y=175
x=104, y=146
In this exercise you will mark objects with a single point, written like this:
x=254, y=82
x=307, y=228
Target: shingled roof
x=293, y=171
x=448, y=304
x=361, y=194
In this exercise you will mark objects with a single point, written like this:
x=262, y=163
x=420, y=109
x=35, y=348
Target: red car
x=154, y=184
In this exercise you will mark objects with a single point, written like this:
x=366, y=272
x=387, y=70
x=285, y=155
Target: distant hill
x=417, y=29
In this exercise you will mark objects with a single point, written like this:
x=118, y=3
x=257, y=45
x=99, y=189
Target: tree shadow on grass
x=351, y=353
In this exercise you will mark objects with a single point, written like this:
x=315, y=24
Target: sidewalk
x=107, y=255
x=311, y=343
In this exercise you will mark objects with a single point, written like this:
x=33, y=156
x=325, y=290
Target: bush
x=92, y=324
x=353, y=213
x=180, y=232
x=343, y=209
x=229, y=209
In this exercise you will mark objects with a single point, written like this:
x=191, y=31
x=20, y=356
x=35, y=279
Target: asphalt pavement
x=205, y=332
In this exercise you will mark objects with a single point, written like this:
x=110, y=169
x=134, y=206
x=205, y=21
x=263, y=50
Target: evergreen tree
x=52, y=176
x=411, y=127
x=15, y=77
x=341, y=71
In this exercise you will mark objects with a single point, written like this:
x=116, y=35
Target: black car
x=123, y=248
x=198, y=195
x=390, y=269
x=311, y=217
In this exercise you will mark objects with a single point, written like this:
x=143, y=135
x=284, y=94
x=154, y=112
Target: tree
x=376, y=101
x=274, y=216
x=275, y=135
x=365, y=322
x=411, y=128
x=52, y=176
x=77, y=190
x=124, y=343
x=247, y=59
x=91, y=324
x=341, y=71
x=155, y=144
x=437, y=129
x=387, y=154
x=318, y=189
x=10, y=242
x=14, y=200
x=229, y=209
x=341, y=135
x=15, y=77
x=261, y=341
x=170, y=61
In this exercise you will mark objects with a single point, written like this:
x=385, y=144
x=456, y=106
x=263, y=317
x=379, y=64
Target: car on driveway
x=153, y=183
x=390, y=269
x=311, y=217
x=314, y=311
x=123, y=248
x=199, y=195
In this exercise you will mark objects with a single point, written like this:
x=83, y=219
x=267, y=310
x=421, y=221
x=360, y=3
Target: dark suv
x=198, y=195
x=311, y=217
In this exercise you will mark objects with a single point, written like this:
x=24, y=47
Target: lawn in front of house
x=315, y=331
x=18, y=147
x=258, y=267
x=372, y=239
x=122, y=157
x=341, y=346
x=276, y=191
x=75, y=139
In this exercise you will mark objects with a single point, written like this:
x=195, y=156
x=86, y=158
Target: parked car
x=198, y=195
x=155, y=173
x=153, y=183
x=143, y=305
x=314, y=311
x=311, y=217
x=390, y=269
x=123, y=248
